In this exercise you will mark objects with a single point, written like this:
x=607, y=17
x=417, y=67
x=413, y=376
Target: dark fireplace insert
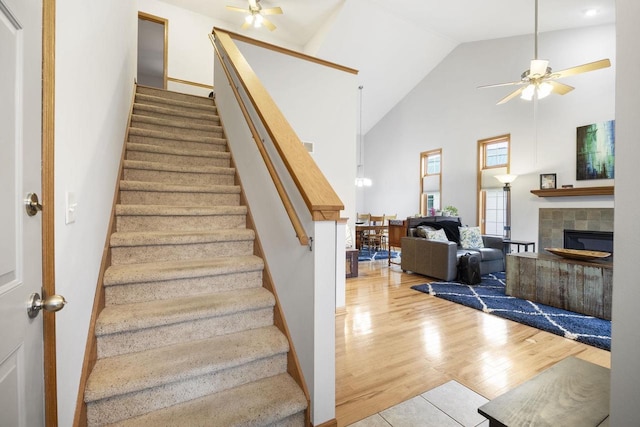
x=589, y=240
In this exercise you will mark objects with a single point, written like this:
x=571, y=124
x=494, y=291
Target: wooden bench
x=571, y=393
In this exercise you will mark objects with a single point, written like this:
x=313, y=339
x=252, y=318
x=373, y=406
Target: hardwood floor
x=393, y=343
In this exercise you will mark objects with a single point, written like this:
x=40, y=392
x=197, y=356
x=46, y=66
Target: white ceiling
x=396, y=43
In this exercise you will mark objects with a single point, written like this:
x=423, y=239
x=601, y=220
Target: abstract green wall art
x=595, y=152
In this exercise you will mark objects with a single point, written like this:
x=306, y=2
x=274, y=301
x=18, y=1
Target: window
x=494, y=157
x=430, y=181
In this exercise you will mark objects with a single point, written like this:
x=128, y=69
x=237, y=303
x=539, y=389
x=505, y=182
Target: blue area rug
x=489, y=296
x=369, y=255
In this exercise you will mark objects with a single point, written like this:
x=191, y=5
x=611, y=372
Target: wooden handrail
x=289, y=52
x=189, y=82
x=288, y=206
x=320, y=198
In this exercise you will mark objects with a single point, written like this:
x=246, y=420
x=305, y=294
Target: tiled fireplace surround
x=553, y=222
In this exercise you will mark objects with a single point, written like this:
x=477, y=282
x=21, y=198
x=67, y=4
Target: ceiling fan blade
x=246, y=24
x=591, y=66
x=237, y=9
x=560, y=88
x=511, y=96
x=501, y=84
x=272, y=11
x=268, y=24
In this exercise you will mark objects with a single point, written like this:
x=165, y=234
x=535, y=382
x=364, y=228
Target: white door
x=21, y=341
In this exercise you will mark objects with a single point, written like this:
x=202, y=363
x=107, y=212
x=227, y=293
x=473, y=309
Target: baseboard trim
x=331, y=423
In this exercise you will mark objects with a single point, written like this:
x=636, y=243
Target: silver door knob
x=32, y=204
x=52, y=303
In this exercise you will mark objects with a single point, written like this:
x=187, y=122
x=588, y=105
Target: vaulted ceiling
x=396, y=43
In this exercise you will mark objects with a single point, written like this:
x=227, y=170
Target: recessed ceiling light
x=590, y=12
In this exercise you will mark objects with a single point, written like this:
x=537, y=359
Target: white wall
x=446, y=110
x=95, y=70
x=625, y=356
x=190, y=55
x=320, y=103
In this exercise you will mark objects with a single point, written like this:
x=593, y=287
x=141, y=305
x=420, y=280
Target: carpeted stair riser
x=144, y=136
x=184, y=197
x=180, y=124
x=182, y=127
x=177, y=174
x=174, y=96
x=201, y=328
x=283, y=409
x=138, y=254
x=153, y=153
x=212, y=139
x=176, y=222
x=176, y=132
x=106, y=411
x=150, y=324
x=180, y=107
x=166, y=112
x=133, y=384
x=154, y=281
x=176, y=288
x=188, y=218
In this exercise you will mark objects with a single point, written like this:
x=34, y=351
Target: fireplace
x=589, y=240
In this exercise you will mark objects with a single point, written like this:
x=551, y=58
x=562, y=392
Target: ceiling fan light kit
x=539, y=81
x=255, y=17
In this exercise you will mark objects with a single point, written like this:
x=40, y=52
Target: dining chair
x=375, y=236
x=363, y=219
x=385, y=233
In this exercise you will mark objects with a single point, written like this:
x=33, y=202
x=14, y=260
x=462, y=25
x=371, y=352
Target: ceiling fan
x=256, y=15
x=539, y=80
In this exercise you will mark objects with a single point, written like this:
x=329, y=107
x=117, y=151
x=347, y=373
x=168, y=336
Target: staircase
x=187, y=335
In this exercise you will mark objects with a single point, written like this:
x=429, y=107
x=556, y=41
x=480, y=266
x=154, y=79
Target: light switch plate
x=72, y=204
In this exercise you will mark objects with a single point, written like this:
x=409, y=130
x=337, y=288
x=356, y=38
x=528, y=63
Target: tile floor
x=450, y=404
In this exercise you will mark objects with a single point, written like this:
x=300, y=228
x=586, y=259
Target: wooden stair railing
x=321, y=200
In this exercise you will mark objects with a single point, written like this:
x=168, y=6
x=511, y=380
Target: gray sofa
x=439, y=259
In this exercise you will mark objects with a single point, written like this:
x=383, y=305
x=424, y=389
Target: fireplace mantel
x=575, y=191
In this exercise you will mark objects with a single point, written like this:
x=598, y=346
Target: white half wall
x=304, y=279
x=446, y=110
x=95, y=71
x=625, y=355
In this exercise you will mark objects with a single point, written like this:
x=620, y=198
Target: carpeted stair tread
x=149, y=238
x=261, y=403
x=177, y=188
x=142, y=109
x=128, y=373
x=176, y=136
x=181, y=124
x=161, y=271
x=175, y=96
x=167, y=167
x=149, y=314
x=159, y=149
x=165, y=210
x=175, y=105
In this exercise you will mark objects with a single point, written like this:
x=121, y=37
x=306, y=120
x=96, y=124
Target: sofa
x=439, y=259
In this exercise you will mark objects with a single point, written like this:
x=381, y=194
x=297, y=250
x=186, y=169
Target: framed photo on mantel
x=547, y=181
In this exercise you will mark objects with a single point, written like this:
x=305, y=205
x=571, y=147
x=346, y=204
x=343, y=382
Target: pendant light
x=361, y=181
